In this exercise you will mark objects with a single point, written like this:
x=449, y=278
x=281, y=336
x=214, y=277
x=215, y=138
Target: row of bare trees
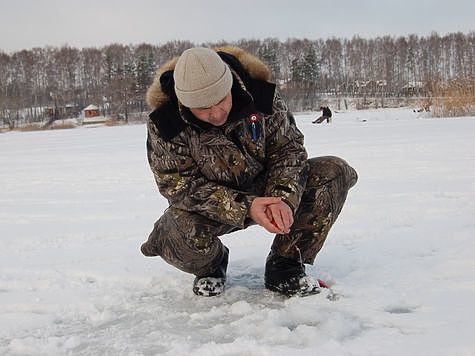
x=380, y=67
x=65, y=80
x=115, y=77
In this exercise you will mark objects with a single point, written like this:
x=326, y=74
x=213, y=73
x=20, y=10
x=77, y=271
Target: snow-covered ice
x=75, y=205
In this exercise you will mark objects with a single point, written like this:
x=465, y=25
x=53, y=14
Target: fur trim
x=155, y=97
x=253, y=65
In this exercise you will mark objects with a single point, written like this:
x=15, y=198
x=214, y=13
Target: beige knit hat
x=202, y=79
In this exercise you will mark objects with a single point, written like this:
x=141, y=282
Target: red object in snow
x=323, y=284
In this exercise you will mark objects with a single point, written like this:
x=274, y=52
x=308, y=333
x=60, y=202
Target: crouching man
x=226, y=153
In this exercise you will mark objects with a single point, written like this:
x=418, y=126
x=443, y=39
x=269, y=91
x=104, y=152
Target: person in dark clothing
x=326, y=115
x=226, y=153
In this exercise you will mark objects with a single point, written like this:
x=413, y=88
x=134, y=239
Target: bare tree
x=116, y=77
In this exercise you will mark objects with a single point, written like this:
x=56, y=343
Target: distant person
x=326, y=115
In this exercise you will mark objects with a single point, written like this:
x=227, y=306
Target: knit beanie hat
x=202, y=79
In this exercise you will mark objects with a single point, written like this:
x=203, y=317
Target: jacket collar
x=249, y=94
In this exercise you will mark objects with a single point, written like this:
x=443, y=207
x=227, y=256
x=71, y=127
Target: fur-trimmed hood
x=253, y=67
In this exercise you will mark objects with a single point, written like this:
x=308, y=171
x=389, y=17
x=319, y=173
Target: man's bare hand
x=272, y=214
x=281, y=215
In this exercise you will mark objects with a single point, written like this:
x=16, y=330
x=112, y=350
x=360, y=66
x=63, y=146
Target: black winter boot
x=287, y=277
x=213, y=284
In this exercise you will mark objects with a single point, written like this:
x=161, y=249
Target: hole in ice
x=400, y=310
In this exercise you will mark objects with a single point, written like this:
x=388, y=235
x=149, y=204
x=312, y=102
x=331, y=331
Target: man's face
x=217, y=114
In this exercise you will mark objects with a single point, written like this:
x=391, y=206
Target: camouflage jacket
x=218, y=171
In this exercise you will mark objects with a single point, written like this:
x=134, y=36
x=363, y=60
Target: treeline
x=115, y=77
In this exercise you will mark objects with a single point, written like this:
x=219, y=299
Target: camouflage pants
x=190, y=241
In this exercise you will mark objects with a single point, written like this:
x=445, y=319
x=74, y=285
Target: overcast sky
x=91, y=23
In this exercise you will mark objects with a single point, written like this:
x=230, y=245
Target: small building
x=413, y=88
x=91, y=111
x=61, y=112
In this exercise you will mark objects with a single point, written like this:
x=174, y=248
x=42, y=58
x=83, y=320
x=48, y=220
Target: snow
x=75, y=205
